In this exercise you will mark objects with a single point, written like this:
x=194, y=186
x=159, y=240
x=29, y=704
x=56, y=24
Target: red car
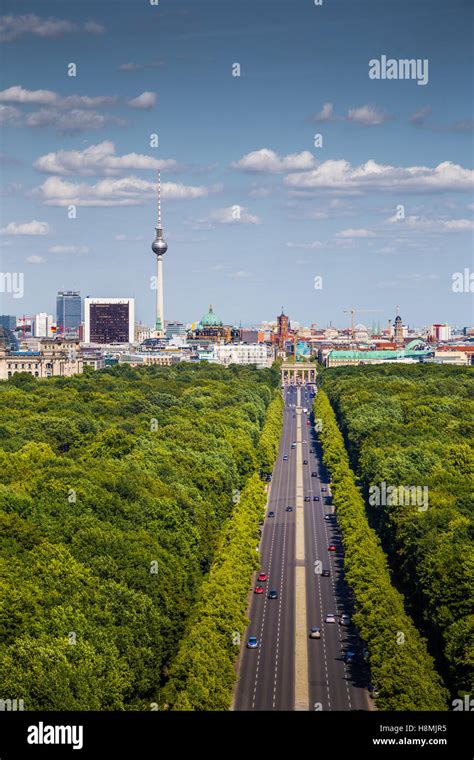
x=258, y=590
x=332, y=548
x=262, y=576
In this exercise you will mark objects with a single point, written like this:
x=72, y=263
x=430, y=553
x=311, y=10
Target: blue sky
x=245, y=141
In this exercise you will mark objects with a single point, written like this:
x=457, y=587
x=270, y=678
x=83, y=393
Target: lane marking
x=301, y=625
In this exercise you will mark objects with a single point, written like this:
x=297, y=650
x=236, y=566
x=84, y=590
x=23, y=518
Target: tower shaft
x=160, y=312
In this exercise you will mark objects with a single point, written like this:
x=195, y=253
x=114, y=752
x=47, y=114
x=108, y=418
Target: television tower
x=159, y=247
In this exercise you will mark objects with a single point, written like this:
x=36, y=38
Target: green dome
x=210, y=319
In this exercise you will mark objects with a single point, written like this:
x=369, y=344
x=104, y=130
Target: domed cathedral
x=211, y=328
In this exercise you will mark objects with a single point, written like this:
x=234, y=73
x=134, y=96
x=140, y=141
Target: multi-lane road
x=288, y=670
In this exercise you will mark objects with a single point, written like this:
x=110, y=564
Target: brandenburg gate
x=298, y=373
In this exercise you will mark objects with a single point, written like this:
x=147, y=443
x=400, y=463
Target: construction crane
x=25, y=324
x=353, y=312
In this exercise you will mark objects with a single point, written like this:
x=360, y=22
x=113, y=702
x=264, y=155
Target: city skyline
x=253, y=210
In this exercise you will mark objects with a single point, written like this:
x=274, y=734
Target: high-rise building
x=68, y=312
x=175, y=328
x=109, y=320
x=7, y=321
x=43, y=325
x=159, y=247
x=440, y=332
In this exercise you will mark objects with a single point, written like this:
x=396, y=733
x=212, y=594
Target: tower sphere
x=159, y=246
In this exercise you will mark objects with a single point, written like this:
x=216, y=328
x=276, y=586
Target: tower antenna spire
x=159, y=201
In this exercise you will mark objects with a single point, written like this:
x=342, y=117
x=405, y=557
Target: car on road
x=262, y=577
x=258, y=590
x=349, y=657
x=285, y=458
x=252, y=642
x=289, y=509
x=323, y=488
x=330, y=617
x=273, y=594
x=271, y=514
x=307, y=498
x=332, y=548
x=311, y=451
x=315, y=498
x=325, y=572
x=293, y=445
x=315, y=633
x=314, y=474
x=345, y=619
x=305, y=461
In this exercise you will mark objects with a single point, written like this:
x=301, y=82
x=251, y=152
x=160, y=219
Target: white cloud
x=355, y=233
x=326, y=113
x=241, y=274
x=266, y=160
x=35, y=259
x=9, y=115
x=70, y=122
x=21, y=96
x=12, y=27
x=98, y=159
x=18, y=94
x=368, y=115
x=133, y=66
x=146, y=100
x=312, y=244
x=27, y=228
x=423, y=224
x=127, y=191
x=79, y=249
x=341, y=176
x=122, y=238
x=234, y=215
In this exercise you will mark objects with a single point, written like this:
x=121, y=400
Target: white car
x=330, y=617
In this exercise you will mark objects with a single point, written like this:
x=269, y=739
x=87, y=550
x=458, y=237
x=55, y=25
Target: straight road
x=267, y=674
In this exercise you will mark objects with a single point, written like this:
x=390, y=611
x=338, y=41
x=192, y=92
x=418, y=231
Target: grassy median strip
x=202, y=676
x=401, y=667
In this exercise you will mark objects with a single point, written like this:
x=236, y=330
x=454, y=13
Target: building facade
x=259, y=354
x=68, y=312
x=55, y=358
x=109, y=320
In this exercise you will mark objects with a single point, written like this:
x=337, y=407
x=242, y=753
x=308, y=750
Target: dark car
x=285, y=458
x=315, y=498
x=252, y=642
x=273, y=594
x=349, y=657
x=305, y=461
x=289, y=509
x=325, y=573
x=307, y=498
x=271, y=514
x=314, y=474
